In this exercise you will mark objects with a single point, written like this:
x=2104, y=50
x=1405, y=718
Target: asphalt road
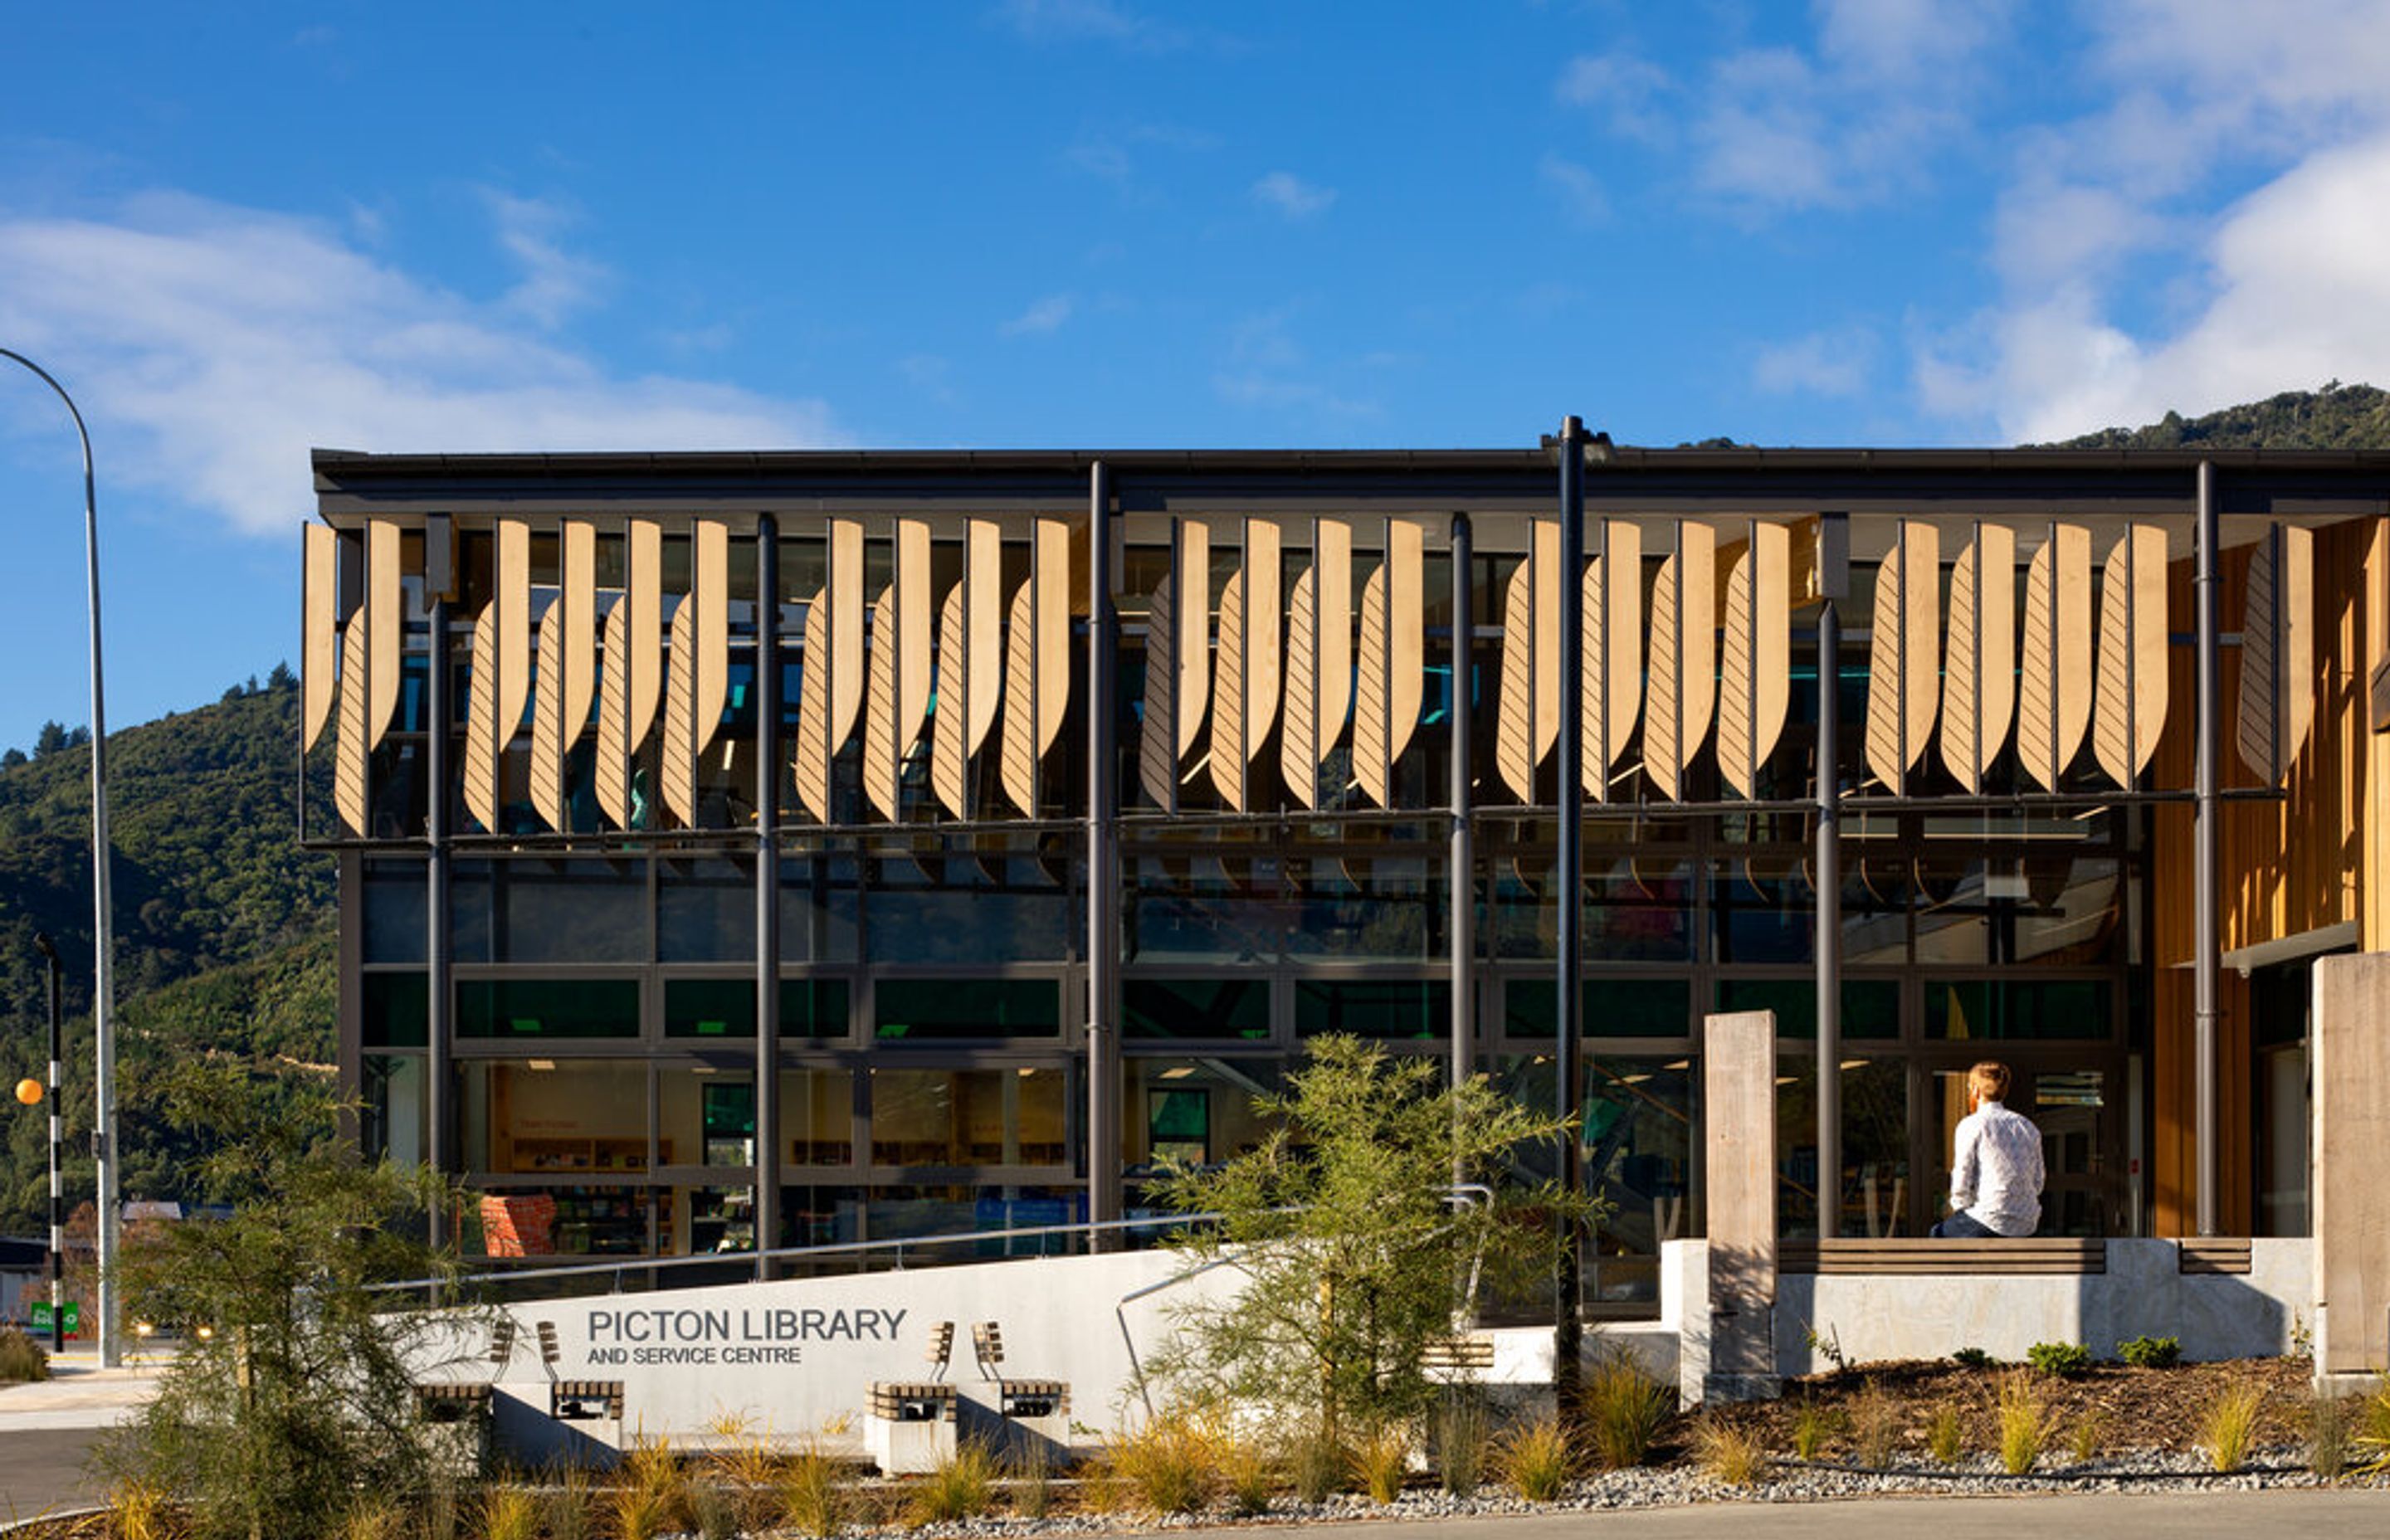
x=2281, y=1515
x=41, y=1469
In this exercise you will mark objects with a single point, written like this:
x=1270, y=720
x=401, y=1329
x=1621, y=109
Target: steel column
x=1568, y=882
x=2208, y=957
x=1833, y=553
x=768, y=891
x=1103, y=861
x=439, y=1012
x=1461, y=887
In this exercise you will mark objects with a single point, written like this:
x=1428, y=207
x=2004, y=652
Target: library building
x=760, y=851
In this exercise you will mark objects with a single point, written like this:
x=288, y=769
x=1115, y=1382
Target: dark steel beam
x=1103, y=860
x=1568, y=1329
x=439, y=997
x=1833, y=582
x=1460, y=921
x=767, y=891
x=2207, y=963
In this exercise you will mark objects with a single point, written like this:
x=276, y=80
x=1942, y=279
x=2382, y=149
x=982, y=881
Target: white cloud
x=1578, y=189
x=555, y=282
x=215, y=344
x=2122, y=294
x=1045, y=315
x=1266, y=368
x=1629, y=92
x=1823, y=363
x=1089, y=20
x=1291, y=196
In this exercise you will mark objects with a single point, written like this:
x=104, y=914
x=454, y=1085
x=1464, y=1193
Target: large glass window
x=1384, y=1008
x=949, y=1010
x=960, y=910
x=817, y=910
x=552, y=1115
x=725, y=1007
x=1198, y=1112
x=394, y=912
x=705, y=912
x=2021, y=1009
x=1870, y=1006
x=1196, y=1009
x=1013, y=1117
x=396, y=1008
x=1635, y=910
x=1613, y=1006
x=708, y=1114
x=584, y=910
x=548, y=1007
x=817, y=1116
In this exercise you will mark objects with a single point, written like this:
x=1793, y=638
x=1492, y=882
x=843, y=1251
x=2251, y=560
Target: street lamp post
x=103, y=1005
x=57, y=1190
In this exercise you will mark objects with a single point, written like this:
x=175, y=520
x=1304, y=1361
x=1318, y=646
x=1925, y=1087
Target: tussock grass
x=1170, y=1465
x=2328, y=1436
x=1811, y=1427
x=807, y=1491
x=1625, y=1408
x=1463, y=1441
x=2227, y=1426
x=2025, y=1424
x=1318, y=1465
x=1383, y=1463
x=509, y=1513
x=567, y=1511
x=962, y=1487
x=1875, y=1428
x=137, y=1511
x=1536, y=1460
x=1943, y=1440
x=2087, y=1435
x=1249, y=1474
x=1729, y=1455
x=21, y=1358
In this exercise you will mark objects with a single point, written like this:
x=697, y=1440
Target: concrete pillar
x=1739, y=1117
x=2350, y=1066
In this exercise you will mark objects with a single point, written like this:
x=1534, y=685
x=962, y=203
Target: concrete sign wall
x=800, y=1354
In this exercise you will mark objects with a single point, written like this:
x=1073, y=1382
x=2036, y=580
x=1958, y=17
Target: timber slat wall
x=2287, y=867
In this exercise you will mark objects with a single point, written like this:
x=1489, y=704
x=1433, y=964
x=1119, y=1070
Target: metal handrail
x=716, y=1259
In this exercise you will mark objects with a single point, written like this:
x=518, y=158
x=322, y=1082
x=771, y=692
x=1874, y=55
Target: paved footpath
x=2282, y=1515
x=47, y=1430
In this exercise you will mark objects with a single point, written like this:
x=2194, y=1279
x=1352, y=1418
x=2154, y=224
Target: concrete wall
x=2142, y=1294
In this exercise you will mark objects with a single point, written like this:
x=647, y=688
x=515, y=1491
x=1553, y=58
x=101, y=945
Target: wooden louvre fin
x=2276, y=653
x=1247, y=666
x=1318, y=659
x=1979, y=671
x=2055, y=670
x=1612, y=693
x=1683, y=689
x=1527, y=714
x=349, y=758
x=970, y=663
x=1903, y=664
x=501, y=677
x=385, y=609
x=319, y=632
x=897, y=694
x=1177, y=662
x=2129, y=710
x=1037, y=664
x=831, y=678
x=1755, y=672
x=1388, y=671
x=699, y=680
x=632, y=677
x=567, y=679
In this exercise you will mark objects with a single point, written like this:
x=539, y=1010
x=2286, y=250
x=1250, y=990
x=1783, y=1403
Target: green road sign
x=42, y=1318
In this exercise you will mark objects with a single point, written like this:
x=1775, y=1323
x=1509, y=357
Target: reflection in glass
x=817, y=1116
x=1613, y=1006
x=1383, y=1009
x=705, y=911
x=2020, y=1009
x=548, y=1007
x=1870, y=1006
x=1196, y=1009
x=548, y=1115
x=1198, y=1112
x=950, y=1011
x=1011, y=1117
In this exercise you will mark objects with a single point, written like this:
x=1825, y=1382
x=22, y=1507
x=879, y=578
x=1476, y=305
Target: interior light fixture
x=1176, y=1071
x=543, y=1063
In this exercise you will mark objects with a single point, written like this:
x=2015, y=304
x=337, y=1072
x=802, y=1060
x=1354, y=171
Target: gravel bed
x=1788, y=1481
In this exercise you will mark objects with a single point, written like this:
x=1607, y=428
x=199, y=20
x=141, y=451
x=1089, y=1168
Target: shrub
x=1875, y=1428
x=2230, y=1419
x=2059, y=1358
x=811, y=1501
x=1460, y=1444
x=2025, y=1425
x=1536, y=1460
x=2328, y=1432
x=1384, y=1463
x=1810, y=1426
x=1166, y=1465
x=1318, y=1466
x=21, y=1358
x=962, y=1487
x=1941, y=1434
x=1623, y=1409
x=2151, y=1353
x=1975, y=1358
x=1729, y=1455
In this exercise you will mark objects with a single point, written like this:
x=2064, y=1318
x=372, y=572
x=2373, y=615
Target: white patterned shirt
x=1996, y=1175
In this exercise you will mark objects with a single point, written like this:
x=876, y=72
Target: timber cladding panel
x=2287, y=867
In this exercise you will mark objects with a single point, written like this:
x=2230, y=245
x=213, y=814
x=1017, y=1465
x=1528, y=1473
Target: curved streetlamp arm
x=104, y=991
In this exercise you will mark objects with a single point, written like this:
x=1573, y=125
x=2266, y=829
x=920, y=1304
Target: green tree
x=300, y=1393
x=1356, y=1250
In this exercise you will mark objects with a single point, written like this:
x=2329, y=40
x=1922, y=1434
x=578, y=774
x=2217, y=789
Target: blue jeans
x=1963, y=1226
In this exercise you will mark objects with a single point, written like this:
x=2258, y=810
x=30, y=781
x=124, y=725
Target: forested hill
x=2338, y=417
x=223, y=927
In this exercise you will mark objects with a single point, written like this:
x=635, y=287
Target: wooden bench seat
x=2212, y=1256
x=1909, y=1256
x=1472, y=1354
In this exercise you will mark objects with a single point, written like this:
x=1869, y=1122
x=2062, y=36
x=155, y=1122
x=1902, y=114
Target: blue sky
x=238, y=231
